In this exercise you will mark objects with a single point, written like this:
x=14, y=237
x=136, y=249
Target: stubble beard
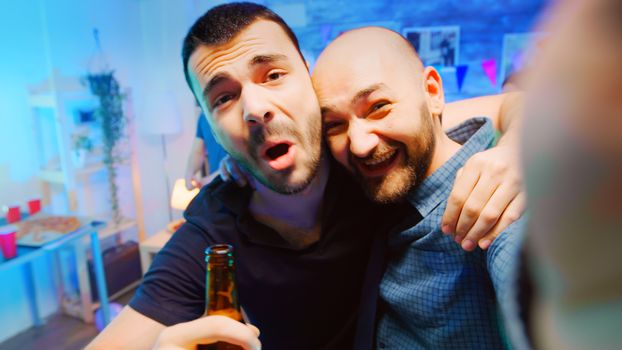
x=395, y=186
x=281, y=182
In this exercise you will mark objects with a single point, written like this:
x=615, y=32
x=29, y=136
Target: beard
x=395, y=186
x=308, y=141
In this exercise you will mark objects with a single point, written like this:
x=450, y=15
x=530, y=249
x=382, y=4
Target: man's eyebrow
x=264, y=59
x=213, y=82
x=366, y=92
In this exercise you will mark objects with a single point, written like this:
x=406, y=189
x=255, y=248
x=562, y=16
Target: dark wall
x=482, y=23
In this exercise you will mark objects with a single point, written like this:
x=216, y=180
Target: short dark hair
x=222, y=23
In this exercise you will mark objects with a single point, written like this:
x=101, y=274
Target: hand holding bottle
x=210, y=329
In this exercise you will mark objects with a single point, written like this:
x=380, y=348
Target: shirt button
x=382, y=345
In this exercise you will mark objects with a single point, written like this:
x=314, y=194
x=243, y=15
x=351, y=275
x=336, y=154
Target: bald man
x=382, y=113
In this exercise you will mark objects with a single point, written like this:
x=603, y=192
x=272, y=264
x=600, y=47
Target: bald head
x=369, y=44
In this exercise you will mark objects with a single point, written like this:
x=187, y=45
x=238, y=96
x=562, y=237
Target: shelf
x=42, y=101
x=56, y=175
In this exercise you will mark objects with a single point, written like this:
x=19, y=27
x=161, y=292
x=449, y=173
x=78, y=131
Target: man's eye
x=377, y=106
x=222, y=100
x=333, y=127
x=274, y=76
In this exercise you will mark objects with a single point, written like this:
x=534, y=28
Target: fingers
x=208, y=330
x=489, y=214
x=196, y=182
x=463, y=185
x=254, y=329
x=472, y=210
x=193, y=182
x=188, y=183
x=222, y=169
x=483, y=190
x=513, y=212
x=230, y=171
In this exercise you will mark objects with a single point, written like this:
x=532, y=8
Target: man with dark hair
x=222, y=23
x=302, y=230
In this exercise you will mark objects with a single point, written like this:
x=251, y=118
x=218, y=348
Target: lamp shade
x=181, y=197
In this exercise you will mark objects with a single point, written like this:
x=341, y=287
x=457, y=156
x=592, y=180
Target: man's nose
x=362, y=140
x=257, y=107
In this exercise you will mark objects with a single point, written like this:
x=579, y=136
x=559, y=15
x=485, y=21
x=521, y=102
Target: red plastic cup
x=34, y=206
x=7, y=241
x=13, y=214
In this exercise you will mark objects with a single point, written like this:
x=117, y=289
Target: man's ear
x=433, y=88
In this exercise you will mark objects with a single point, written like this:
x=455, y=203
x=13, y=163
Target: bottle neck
x=221, y=296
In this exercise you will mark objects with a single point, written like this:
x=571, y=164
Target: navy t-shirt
x=213, y=149
x=299, y=299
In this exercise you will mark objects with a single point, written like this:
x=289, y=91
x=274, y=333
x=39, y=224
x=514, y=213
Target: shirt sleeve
x=201, y=126
x=503, y=261
x=173, y=289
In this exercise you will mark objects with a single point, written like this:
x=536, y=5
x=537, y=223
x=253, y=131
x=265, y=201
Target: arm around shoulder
x=505, y=110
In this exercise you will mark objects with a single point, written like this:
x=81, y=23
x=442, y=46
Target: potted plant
x=112, y=121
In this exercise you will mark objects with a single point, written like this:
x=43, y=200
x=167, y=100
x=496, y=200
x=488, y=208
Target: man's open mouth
x=378, y=166
x=277, y=151
x=280, y=155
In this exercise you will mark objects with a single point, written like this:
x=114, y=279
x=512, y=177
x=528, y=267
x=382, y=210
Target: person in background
x=205, y=155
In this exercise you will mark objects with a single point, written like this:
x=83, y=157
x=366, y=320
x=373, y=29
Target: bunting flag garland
x=490, y=68
x=461, y=72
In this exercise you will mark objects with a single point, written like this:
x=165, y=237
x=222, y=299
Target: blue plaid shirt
x=434, y=295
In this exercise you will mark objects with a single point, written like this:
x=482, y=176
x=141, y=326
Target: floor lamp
x=162, y=118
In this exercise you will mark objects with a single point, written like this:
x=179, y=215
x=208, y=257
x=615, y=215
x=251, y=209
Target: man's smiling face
x=260, y=103
x=375, y=113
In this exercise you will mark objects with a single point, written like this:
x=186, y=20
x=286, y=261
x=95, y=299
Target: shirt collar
x=236, y=200
x=475, y=135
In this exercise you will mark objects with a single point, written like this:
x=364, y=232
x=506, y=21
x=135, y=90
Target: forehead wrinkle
x=365, y=92
x=222, y=55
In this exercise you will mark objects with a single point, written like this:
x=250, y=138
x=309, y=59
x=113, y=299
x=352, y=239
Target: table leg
x=31, y=293
x=83, y=280
x=100, y=277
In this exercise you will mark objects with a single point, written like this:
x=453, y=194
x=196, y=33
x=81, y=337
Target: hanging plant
x=112, y=121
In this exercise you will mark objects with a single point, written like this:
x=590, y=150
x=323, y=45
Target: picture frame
x=436, y=46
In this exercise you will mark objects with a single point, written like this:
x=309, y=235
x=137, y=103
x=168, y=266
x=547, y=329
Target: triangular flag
x=490, y=68
x=461, y=72
x=325, y=31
